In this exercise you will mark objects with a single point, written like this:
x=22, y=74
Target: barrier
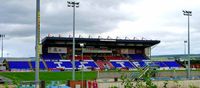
x=74, y=84
x=92, y=84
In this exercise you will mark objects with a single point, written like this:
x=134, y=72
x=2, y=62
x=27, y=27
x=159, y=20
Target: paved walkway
x=4, y=79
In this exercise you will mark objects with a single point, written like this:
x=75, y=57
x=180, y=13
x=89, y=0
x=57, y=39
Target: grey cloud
x=17, y=11
x=106, y=3
x=89, y=19
x=17, y=20
x=17, y=30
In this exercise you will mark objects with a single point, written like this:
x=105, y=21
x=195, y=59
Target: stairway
x=44, y=64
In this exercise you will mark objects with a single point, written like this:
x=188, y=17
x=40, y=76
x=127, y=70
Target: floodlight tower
x=188, y=13
x=2, y=36
x=74, y=5
x=37, y=44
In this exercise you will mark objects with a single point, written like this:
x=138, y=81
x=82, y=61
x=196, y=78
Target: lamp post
x=37, y=44
x=74, y=5
x=2, y=36
x=188, y=13
x=185, y=42
x=82, y=45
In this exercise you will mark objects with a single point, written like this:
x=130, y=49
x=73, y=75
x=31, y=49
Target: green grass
x=48, y=76
x=53, y=76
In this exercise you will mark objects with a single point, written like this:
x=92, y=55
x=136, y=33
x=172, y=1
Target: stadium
x=80, y=62
x=96, y=54
x=96, y=59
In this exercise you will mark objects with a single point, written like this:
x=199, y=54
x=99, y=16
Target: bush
x=145, y=74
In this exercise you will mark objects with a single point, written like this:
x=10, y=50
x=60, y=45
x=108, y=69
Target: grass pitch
x=59, y=76
x=49, y=76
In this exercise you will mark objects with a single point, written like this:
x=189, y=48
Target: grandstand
x=97, y=54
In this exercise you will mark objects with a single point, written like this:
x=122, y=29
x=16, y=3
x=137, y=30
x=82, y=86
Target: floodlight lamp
x=82, y=44
x=189, y=12
x=185, y=41
x=77, y=3
x=73, y=3
x=2, y=35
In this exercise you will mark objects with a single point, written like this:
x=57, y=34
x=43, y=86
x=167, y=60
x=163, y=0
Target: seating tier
x=122, y=64
x=41, y=65
x=18, y=65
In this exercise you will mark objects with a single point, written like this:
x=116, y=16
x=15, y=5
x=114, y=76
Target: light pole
x=188, y=13
x=185, y=51
x=37, y=44
x=74, y=5
x=2, y=36
x=82, y=45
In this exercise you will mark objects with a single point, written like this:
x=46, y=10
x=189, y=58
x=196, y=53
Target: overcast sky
x=152, y=19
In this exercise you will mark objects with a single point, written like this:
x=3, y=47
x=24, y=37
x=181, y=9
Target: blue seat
x=51, y=64
x=142, y=63
x=120, y=64
x=41, y=64
x=67, y=64
x=160, y=64
x=172, y=64
x=116, y=65
x=18, y=65
x=91, y=64
x=128, y=64
x=78, y=64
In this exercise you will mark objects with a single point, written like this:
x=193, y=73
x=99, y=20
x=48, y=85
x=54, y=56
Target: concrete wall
x=158, y=74
x=180, y=73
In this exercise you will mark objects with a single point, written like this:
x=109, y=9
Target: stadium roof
x=18, y=59
x=98, y=41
